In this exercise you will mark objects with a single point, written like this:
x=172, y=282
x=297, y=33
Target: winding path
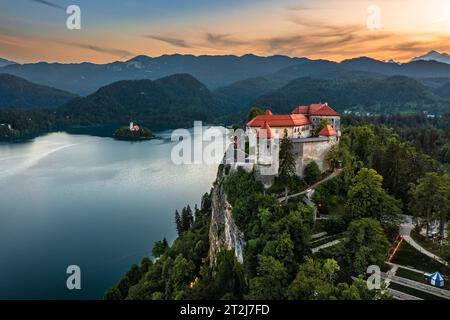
x=405, y=232
x=335, y=173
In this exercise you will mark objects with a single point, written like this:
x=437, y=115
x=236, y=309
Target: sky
x=35, y=30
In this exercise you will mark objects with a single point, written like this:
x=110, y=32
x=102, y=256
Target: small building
x=134, y=126
x=435, y=279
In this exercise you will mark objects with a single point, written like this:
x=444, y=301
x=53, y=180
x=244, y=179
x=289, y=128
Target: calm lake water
x=94, y=202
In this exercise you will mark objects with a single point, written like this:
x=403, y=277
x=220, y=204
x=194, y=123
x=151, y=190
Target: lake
x=89, y=201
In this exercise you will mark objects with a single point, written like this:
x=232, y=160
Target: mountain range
x=4, y=62
x=360, y=84
x=384, y=95
x=213, y=71
x=434, y=55
x=18, y=92
x=216, y=71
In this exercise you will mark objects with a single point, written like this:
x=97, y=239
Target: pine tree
x=178, y=222
x=187, y=218
x=190, y=217
x=286, y=169
x=206, y=203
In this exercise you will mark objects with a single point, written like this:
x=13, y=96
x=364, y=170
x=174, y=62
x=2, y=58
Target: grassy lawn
x=408, y=256
x=318, y=226
x=408, y=274
x=430, y=245
x=414, y=292
x=411, y=275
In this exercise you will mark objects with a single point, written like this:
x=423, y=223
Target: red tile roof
x=267, y=134
x=301, y=110
x=279, y=120
x=315, y=109
x=328, y=130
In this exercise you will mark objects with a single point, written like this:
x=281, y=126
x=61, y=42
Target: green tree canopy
x=361, y=141
x=253, y=112
x=365, y=244
x=270, y=282
x=430, y=198
x=112, y=294
x=366, y=198
x=159, y=247
x=286, y=169
x=312, y=173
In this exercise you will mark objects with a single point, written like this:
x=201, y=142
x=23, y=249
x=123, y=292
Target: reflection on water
x=94, y=202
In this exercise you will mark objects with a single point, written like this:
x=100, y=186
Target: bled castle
x=300, y=126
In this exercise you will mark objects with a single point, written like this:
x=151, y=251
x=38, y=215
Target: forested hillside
x=430, y=135
x=18, y=92
x=387, y=95
x=381, y=178
x=169, y=102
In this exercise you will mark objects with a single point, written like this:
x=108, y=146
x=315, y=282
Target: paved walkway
x=405, y=267
x=417, y=285
x=423, y=250
x=325, y=245
x=315, y=185
x=398, y=295
x=319, y=235
x=405, y=232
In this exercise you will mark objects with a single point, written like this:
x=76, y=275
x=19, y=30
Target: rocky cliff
x=223, y=232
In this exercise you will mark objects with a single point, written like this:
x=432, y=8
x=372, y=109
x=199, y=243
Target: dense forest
x=429, y=134
x=176, y=101
x=18, y=92
x=379, y=95
x=171, y=102
x=382, y=177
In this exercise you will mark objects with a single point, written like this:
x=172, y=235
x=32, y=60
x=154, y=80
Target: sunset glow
x=33, y=30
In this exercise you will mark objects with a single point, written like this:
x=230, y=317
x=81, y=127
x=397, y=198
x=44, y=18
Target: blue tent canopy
x=436, y=279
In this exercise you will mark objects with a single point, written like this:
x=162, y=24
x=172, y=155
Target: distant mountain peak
x=434, y=55
x=4, y=62
x=392, y=61
x=362, y=59
x=140, y=58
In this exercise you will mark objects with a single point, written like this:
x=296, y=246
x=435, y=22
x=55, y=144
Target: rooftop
x=315, y=109
x=279, y=120
x=266, y=133
x=328, y=130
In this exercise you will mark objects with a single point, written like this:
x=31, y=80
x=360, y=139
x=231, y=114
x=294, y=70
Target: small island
x=134, y=132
